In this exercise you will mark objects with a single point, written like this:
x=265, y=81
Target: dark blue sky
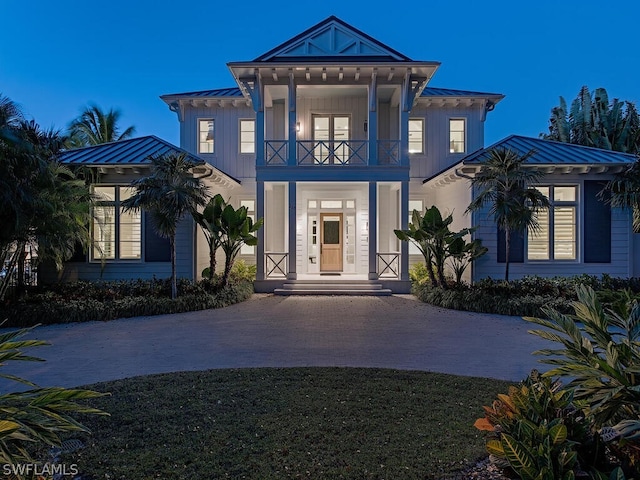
x=56, y=56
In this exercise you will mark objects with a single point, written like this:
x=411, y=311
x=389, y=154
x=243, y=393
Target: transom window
x=247, y=136
x=205, y=135
x=116, y=234
x=457, y=135
x=556, y=239
x=416, y=135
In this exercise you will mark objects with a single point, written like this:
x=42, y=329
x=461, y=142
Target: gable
x=335, y=39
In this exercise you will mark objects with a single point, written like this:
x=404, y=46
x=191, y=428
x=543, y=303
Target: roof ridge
x=568, y=144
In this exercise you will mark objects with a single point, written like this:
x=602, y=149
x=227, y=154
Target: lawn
x=287, y=423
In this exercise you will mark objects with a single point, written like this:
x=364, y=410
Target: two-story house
x=334, y=138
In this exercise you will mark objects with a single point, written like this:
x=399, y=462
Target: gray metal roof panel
x=548, y=152
x=134, y=151
x=220, y=92
x=449, y=92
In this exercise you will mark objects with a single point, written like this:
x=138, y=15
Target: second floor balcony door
x=331, y=134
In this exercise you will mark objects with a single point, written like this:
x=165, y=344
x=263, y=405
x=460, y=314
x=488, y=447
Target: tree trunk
x=212, y=262
x=507, y=245
x=441, y=277
x=429, y=265
x=228, y=264
x=174, y=282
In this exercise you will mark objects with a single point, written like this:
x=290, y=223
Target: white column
x=373, y=231
x=293, y=160
x=405, y=108
x=260, y=214
x=404, y=225
x=292, y=225
x=372, y=123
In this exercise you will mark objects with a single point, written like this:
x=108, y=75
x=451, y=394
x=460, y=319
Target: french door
x=331, y=135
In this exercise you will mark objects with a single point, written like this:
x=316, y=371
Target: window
x=414, y=205
x=116, y=234
x=251, y=213
x=416, y=135
x=205, y=136
x=556, y=237
x=247, y=136
x=457, y=135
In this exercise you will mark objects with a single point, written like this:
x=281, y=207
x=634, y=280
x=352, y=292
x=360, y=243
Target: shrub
x=86, y=301
x=600, y=355
x=37, y=415
x=538, y=431
x=418, y=273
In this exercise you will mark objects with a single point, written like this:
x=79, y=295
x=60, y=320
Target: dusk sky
x=57, y=56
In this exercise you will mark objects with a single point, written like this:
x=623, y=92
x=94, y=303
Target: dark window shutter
x=597, y=224
x=516, y=255
x=79, y=254
x=156, y=248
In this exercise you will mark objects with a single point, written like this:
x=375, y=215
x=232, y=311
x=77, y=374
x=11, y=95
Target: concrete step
x=322, y=287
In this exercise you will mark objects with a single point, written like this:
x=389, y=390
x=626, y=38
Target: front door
x=331, y=242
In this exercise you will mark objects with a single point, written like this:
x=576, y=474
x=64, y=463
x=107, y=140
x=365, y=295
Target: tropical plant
x=623, y=191
x=600, y=355
x=167, y=195
x=236, y=229
x=210, y=222
x=463, y=253
x=505, y=185
x=42, y=203
x=36, y=415
x=601, y=359
x=433, y=237
x=94, y=126
x=593, y=121
x=538, y=431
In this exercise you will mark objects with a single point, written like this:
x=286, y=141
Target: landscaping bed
x=527, y=296
x=286, y=423
x=88, y=301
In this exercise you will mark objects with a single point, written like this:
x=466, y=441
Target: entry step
x=328, y=287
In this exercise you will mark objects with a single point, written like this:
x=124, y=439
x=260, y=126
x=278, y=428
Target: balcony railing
x=276, y=264
x=332, y=152
x=388, y=264
x=276, y=152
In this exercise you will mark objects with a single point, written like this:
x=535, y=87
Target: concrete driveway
x=397, y=332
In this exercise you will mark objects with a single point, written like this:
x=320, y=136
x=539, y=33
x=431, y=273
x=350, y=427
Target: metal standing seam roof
x=548, y=152
x=236, y=92
x=220, y=92
x=134, y=151
x=448, y=92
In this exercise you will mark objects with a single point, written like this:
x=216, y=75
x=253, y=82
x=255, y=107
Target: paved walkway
x=268, y=331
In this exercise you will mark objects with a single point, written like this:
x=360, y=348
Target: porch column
x=260, y=233
x=372, y=123
x=373, y=231
x=293, y=132
x=404, y=225
x=258, y=106
x=405, y=108
x=292, y=225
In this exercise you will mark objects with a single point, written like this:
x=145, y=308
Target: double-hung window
x=556, y=237
x=457, y=135
x=247, y=136
x=416, y=135
x=116, y=234
x=205, y=135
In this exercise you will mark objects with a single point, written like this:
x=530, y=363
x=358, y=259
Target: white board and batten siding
x=226, y=156
x=436, y=137
x=622, y=245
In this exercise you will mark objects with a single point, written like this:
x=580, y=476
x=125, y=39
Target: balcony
x=332, y=152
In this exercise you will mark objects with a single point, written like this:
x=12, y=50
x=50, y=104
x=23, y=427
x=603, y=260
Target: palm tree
x=623, y=191
x=168, y=194
x=95, y=127
x=210, y=222
x=593, y=121
x=504, y=185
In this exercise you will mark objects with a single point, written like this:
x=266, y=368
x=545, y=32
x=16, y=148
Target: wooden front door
x=331, y=242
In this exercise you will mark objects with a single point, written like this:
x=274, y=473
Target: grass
x=287, y=423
